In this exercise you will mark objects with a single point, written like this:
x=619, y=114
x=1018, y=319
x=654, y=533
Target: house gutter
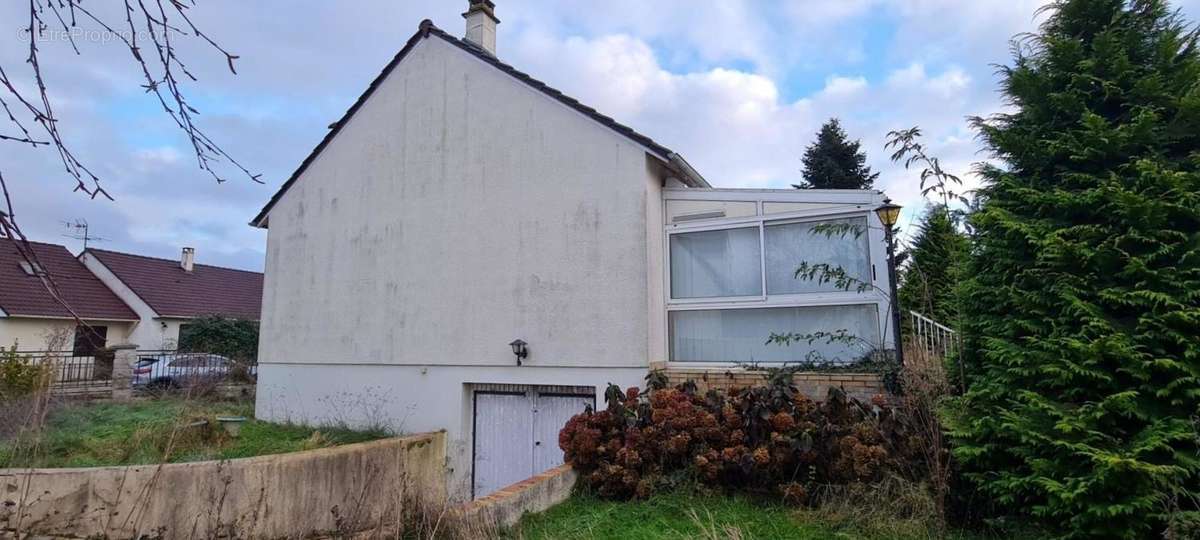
x=695, y=179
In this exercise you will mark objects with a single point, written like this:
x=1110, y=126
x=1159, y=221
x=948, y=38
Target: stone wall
x=863, y=386
x=346, y=488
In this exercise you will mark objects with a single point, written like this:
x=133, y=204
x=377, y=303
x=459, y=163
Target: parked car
x=184, y=369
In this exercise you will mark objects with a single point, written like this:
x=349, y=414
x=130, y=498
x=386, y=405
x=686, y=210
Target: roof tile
x=24, y=295
x=172, y=292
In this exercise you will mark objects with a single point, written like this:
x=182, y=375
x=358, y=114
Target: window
x=732, y=280
x=187, y=338
x=729, y=262
x=740, y=335
x=712, y=264
x=89, y=339
x=841, y=244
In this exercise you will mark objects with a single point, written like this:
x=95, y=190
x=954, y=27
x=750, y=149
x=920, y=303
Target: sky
x=737, y=87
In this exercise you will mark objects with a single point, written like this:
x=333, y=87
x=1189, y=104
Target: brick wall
x=814, y=385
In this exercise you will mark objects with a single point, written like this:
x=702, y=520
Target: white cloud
x=739, y=87
x=714, y=31
x=738, y=130
x=155, y=159
x=837, y=86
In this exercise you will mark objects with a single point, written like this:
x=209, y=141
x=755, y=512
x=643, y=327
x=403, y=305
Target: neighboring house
x=166, y=294
x=461, y=205
x=34, y=319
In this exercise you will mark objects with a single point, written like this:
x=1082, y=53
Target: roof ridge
x=14, y=240
x=551, y=91
x=164, y=259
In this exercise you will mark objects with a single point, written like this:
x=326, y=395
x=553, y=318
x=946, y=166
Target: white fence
x=932, y=337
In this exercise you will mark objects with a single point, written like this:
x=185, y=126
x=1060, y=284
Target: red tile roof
x=172, y=292
x=24, y=295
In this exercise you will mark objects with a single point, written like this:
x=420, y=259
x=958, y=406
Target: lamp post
x=889, y=214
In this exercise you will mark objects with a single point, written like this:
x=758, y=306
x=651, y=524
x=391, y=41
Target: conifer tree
x=835, y=162
x=932, y=270
x=1082, y=306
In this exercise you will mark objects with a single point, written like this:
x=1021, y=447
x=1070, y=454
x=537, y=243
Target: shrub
x=20, y=375
x=236, y=339
x=769, y=439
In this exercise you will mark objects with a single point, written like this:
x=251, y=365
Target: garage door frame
x=529, y=391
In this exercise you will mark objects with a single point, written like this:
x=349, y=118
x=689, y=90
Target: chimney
x=481, y=25
x=188, y=259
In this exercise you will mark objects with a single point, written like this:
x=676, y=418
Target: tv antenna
x=78, y=230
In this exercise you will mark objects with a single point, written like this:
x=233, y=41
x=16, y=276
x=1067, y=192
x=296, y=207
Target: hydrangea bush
x=767, y=439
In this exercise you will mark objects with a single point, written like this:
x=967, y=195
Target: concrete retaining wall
x=814, y=385
x=532, y=495
x=346, y=488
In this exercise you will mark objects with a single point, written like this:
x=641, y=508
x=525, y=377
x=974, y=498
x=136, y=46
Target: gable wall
x=148, y=333
x=458, y=210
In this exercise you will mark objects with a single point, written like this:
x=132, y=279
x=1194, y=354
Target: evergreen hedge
x=1082, y=305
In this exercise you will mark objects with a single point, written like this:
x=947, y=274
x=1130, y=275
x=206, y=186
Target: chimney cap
x=187, y=259
x=488, y=7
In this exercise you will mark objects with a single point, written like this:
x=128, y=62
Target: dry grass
x=925, y=385
x=894, y=508
x=415, y=517
x=711, y=530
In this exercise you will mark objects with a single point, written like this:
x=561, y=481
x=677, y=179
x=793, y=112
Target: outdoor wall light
x=889, y=213
x=519, y=348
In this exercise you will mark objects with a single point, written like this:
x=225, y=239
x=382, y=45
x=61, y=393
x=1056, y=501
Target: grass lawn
x=685, y=516
x=146, y=432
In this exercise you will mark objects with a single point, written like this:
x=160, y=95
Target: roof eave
x=86, y=317
x=690, y=176
x=423, y=31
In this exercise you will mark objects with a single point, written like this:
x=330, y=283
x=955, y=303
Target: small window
x=89, y=340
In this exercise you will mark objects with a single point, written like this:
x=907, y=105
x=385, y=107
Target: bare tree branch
x=161, y=73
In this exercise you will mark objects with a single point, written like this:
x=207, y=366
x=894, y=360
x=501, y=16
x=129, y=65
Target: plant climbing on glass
x=871, y=355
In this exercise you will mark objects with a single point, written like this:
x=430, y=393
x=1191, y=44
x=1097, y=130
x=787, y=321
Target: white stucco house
x=460, y=205
x=166, y=294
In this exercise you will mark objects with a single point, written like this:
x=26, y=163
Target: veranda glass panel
x=719, y=263
x=740, y=335
x=842, y=247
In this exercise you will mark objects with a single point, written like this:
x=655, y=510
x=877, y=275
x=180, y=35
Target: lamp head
x=889, y=213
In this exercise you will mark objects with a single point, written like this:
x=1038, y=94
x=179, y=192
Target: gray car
x=182, y=370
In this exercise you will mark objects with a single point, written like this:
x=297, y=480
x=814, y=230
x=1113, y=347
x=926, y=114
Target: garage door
x=516, y=433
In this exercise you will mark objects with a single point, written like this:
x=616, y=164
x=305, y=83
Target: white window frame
x=850, y=204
